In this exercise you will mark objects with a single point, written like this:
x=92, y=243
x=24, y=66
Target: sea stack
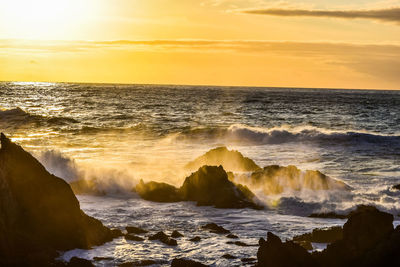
x=39, y=213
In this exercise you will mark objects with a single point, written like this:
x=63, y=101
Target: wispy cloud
x=388, y=15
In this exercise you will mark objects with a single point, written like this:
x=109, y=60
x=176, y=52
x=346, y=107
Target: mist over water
x=119, y=134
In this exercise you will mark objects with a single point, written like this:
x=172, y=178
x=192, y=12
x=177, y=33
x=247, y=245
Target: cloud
x=388, y=15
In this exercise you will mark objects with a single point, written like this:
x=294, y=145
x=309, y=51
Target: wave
x=243, y=134
x=17, y=117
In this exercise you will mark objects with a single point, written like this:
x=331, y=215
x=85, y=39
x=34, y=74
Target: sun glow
x=41, y=19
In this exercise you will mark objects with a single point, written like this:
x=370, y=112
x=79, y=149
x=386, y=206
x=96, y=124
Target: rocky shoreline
x=40, y=217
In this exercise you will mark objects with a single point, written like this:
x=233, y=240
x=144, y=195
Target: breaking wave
x=243, y=134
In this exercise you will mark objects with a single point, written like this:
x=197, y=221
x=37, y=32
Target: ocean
x=120, y=134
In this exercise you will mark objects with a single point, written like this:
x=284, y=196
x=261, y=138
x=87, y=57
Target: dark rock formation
x=86, y=187
x=176, y=234
x=328, y=235
x=158, y=192
x=231, y=160
x=275, y=179
x=329, y=215
x=195, y=239
x=135, y=230
x=368, y=240
x=240, y=244
x=186, y=263
x=232, y=236
x=228, y=257
x=133, y=237
x=39, y=213
x=164, y=239
x=396, y=187
x=138, y=263
x=305, y=244
x=274, y=252
x=215, y=228
x=209, y=186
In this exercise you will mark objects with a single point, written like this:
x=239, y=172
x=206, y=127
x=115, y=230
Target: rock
x=176, y=234
x=158, y=192
x=232, y=236
x=228, y=256
x=78, y=262
x=39, y=213
x=116, y=233
x=135, y=230
x=328, y=235
x=214, y=228
x=133, y=237
x=86, y=187
x=138, y=263
x=231, y=160
x=248, y=260
x=164, y=238
x=239, y=243
x=305, y=244
x=195, y=239
x=329, y=215
x=276, y=179
x=103, y=258
x=186, y=263
x=396, y=187
x=274, y=252
x=210, y=186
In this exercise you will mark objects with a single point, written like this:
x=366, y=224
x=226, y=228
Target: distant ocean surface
x=123, y=133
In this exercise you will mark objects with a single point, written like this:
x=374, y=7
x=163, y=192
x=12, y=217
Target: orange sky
x=221, y=42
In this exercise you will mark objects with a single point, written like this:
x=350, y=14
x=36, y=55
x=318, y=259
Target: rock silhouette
x=209, y=186
x=231, y=160
x=39, y=213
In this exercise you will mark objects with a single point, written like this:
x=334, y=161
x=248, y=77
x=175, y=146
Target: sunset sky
x=292, y=43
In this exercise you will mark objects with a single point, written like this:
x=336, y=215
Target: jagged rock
x=215, y=228
x=232, y=236
x=329, y=215
x=228, y=257
x=186, y=263
x=231, y=160
x=274, y=252
x=276, y=179
x=135, y=230
x=39, y=213
x=86, y=187
x=195, y=239
x=116, y=233
x=328, y=235
x=209, y=186
x=158, y=192
x=248, y=260
x=240, y=244
x=305, y=244
x=164, y=238
x=176, y=234
x=133, y=237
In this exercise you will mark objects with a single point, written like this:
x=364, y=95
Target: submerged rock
x=329, y=215
x=164, y=239
x=135, y=230
x=176, y=234
x=186, y=263
x=276, y=179
x=231, y=160
x=396, y=187
x=158, y=192
x=209, y=186
x=133, y=237
x=228, y=257
x=328, y=235
x=232, y=236
x=215, y=228
x=195, y=239
x=39, y=213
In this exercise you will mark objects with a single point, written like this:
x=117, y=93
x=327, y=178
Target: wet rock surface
x=186, y=263
x=39, y=213
x=162, y=237
x=215, y=228
x=231, y=160
x=328, y=235
x=209, y=186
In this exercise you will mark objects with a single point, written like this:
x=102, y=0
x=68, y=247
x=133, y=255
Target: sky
x=305, y=43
